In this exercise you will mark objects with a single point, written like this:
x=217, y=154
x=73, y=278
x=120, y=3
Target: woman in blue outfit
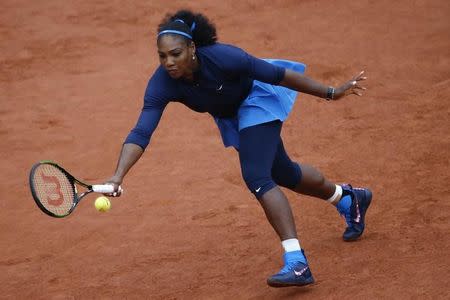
x=249, y=98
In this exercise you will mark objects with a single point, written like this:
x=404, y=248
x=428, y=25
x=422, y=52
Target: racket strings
x=53, y=189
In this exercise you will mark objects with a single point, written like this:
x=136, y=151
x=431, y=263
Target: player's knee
x=257, y=182
x=289, y=176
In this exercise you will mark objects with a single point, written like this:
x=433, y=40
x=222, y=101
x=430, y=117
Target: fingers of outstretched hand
x=351, y=87
x=356, y=88
x=359, y=87
x=356, y=92
x=360, y=76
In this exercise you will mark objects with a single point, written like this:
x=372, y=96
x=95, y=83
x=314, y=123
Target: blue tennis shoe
x=355, y=212
x=295, y=272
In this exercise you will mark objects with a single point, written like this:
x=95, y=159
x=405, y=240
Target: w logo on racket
x=53, y=190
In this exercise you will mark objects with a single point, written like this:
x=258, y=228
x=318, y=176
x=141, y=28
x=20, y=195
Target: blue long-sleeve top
x=223, y=81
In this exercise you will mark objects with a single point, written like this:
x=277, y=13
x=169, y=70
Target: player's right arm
x=158, y=93
x=129, y=155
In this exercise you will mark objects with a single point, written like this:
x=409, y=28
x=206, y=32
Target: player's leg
x=350, y=202
x=258, y=146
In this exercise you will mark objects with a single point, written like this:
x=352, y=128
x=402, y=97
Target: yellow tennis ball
x=102, y=204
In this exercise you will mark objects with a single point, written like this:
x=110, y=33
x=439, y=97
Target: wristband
x=330, y=93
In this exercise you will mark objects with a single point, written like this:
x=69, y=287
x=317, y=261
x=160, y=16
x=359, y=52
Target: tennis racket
x=55, y=190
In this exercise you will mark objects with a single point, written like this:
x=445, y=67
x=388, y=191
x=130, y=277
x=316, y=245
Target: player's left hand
x=352, y=86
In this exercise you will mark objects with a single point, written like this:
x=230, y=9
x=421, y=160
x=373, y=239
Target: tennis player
x=249, y=99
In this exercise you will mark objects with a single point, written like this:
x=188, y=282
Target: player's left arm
x=236, y=60
x=304, y=84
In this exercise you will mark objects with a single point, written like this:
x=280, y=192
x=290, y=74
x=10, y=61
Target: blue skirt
x=265, y=103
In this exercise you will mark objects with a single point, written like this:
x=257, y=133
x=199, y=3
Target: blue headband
x=179, y=32
x=176, y=32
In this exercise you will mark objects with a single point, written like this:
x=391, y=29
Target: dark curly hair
x=204, y=32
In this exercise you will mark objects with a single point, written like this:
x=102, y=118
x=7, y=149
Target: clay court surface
x=72, y=78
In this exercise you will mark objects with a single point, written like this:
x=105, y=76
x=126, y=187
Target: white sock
x=336, y=196
x=291, y=245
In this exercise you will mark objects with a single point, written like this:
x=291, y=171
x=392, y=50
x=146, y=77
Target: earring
x=193, y=56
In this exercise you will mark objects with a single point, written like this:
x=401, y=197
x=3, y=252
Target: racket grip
x=103, y=188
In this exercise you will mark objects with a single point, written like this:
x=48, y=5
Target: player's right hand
x=116, y=183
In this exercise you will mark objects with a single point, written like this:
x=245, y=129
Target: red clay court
x=72, y=78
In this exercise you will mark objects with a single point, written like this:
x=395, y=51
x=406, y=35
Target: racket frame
x=73, y=181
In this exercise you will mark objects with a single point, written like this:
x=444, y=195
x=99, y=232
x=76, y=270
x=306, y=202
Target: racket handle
x=105, y=188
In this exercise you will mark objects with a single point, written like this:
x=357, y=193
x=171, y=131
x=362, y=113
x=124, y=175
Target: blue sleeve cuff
x=138, y=138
